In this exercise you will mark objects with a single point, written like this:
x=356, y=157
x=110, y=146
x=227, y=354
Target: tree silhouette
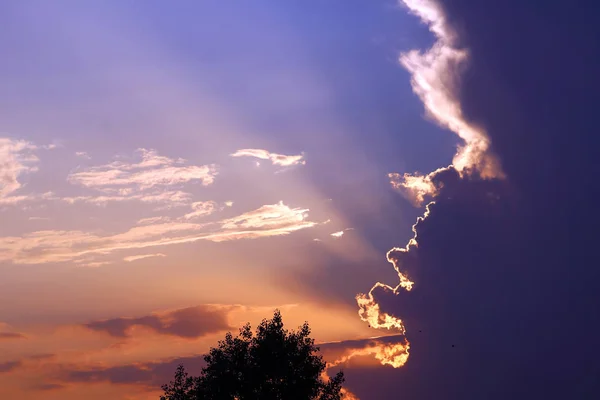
x=273, y=364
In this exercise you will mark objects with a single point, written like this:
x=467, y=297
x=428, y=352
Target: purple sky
x=169, y=172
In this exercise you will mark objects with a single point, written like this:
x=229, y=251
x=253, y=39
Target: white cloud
x=276, y=159
x=435, y=79
x=60, y=246
x=16, y=158
x=268, y=216
x=171, y=198
x=142, y=256
x=339, y=234
x=83, y=154
x=152, y=170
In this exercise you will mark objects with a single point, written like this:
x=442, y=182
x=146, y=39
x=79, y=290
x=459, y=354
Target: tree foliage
x=272, y=364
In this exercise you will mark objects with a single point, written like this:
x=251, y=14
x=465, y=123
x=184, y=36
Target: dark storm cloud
x=506, y=279
x=192, y=322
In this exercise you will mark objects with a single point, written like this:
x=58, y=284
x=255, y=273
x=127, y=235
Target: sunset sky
x=414, y=178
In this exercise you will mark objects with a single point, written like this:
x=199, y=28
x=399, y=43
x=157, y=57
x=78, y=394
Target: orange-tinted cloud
x=11, y=335
x=142, y=256
x=191, y=322
x=9, y=366
x=56, y=246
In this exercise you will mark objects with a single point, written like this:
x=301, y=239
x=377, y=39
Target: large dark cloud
x=506, y=292
x=191, y=322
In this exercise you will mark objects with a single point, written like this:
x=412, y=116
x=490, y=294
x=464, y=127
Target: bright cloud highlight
x=276, y=159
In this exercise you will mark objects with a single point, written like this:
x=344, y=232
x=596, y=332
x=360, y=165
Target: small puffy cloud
x=192, y=322
x=339, y=234
x=142, y=256
x=276, y=159
x=416, y=188
x=83, y=154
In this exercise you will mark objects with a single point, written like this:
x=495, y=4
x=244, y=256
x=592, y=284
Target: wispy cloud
x=59, y=246
x=268, y=217
x=151, y=171
x=169, y=198
x=276, y=159
x=142, y=256
x=153, y=220
x=11, y=335
x=16, y=158
x=201, y=209
x=9, y=366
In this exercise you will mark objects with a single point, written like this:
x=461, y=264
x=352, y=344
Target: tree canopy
x=272, y=364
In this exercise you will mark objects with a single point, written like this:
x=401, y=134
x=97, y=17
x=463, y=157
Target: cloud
x=271, y=216
x=150, y=374
x=83, y=154
x=276, y=159
x=142, y=256
x=48, y=386
x=59, y=246
x=11, y=335
x=435, y=79
x=16, y=159
x=192, y=322
x=201, y=209
x=153, y=220
x=9, y=366
x=339, y=234
x=170, y=198
x=390, y=350
x=151, y=171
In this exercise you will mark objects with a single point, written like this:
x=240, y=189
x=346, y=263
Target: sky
x=414, y=178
